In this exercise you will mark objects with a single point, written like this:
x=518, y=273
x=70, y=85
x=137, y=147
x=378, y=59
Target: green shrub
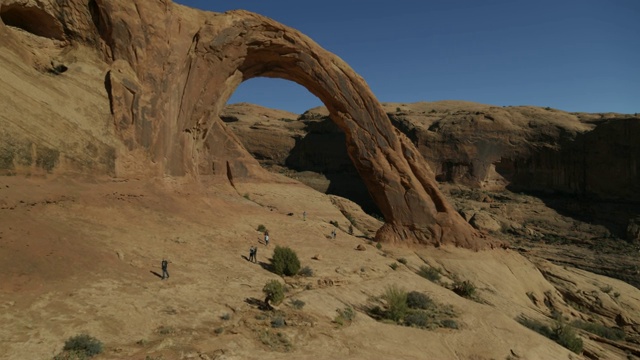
x=561, y=333
x=334, y=223
x=261, y=228
x=418, y=300
x=600, y=330
x=345, y=315
x=226, y=316
x=566, y=336
x=418, y=319
x=378, y=246
x=274, y=292
x=394, y=266
x=402, y=261
x=297, y=304
x=306, y=272
x=277, y=322
x=465, y=288
x=449, y=324
x=429, y=273
x=83, y=345
x=285, y=261
x=396, y=303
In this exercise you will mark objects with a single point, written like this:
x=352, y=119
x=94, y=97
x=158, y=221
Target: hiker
x=350, y=229
x=333, y=234
x=251, y=253
x=304, y=216
x=165, y=273
x=266, y=237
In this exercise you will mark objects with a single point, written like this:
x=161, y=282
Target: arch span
x=168, y=87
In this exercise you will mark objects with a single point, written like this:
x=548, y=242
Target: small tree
x=285, y=261
x=274, y=292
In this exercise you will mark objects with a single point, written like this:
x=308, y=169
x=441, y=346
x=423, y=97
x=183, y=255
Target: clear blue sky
x=573, y=55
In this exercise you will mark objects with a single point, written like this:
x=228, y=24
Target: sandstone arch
x=173, y=69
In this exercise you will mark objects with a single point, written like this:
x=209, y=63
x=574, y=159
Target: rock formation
x=172, y=69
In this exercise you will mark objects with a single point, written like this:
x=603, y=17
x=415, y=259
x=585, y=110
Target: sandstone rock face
x=172, y=69
x=526, y=148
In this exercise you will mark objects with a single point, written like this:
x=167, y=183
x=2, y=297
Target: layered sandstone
x=170, y=70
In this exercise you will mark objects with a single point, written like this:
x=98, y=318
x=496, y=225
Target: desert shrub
x=429, y=273
x=226, y=316
x=83, y=345
x=334, y=223
x=600, y=330
x=394, y=266
x=285, y=261
x=345, y=315
x=561, y=333
x=449, y=324
x=566, y=336
x=277, y=322
x=306, y=272
x=418, y=300
x=274, y=292
x=378, y=246
x=418, y=319
x=219, y=330
x=297, y=304
x=402, y=261
x=261, y=228
x=350, y=229
x=396, y=303
x=465, y=288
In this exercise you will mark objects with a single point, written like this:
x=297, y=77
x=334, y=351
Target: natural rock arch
x=173, y=69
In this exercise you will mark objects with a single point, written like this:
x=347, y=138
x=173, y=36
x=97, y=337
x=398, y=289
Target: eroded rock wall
x=171, y=70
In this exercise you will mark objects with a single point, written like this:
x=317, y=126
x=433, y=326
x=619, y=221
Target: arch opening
x=302, y=143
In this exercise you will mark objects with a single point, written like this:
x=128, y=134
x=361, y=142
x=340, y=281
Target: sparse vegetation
x=412, y=309
x=465, y=289
x=226, y=317
x=378, y=246
x=562, y=333
x=297, y=304
x=80, y=347
x=393, y=266
x=418, y=300
x=396, y=303
x=429, y=273
x=600, y=330
x=261, y=228
x=345, y=316
x=278, y=322
x=334, y=223
x=285, y=261
x=306, y=272
x=275, y=341
x=402, y=261
x=274, y=292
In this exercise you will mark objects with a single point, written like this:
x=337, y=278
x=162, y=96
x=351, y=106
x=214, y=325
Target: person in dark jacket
x=165, y=273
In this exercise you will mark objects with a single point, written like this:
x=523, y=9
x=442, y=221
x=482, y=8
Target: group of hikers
x=253, y=250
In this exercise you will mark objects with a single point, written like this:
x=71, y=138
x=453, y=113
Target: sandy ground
x=83, y=257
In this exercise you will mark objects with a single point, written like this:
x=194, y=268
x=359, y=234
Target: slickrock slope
x=170, y=70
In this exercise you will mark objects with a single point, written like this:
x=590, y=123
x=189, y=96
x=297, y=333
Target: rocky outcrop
x=172, y=69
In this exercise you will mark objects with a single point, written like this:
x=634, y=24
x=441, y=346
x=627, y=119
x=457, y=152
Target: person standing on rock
x=164, y=264
x=266, y=237
x=251, y=253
